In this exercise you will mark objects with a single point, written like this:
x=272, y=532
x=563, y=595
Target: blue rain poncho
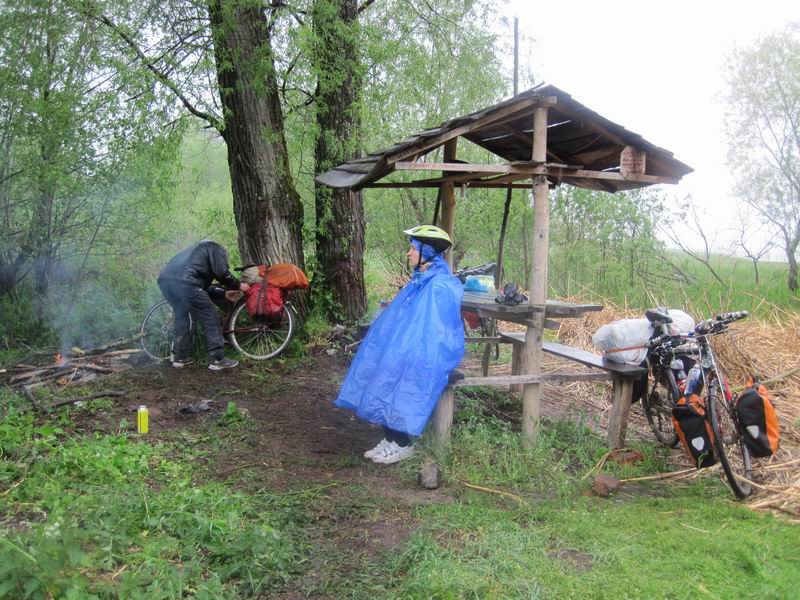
x=403, y=363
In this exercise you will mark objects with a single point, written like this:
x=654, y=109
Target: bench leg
x=621, y=407
x=516, y=367
x=443, y=418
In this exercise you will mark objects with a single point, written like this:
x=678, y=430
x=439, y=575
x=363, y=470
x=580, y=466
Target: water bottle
x=142, y=420
x=694, y=381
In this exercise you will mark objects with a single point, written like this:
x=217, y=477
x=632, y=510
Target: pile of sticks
x=71, y=367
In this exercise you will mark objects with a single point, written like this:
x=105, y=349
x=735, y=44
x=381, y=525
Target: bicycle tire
x=156, y=331
x=261, y=338
x=657, y=405
x=728, y=445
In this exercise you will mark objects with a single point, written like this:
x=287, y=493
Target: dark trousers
x=400, y=438
x=188, y=300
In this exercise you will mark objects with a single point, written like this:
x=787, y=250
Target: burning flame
x=59, y=360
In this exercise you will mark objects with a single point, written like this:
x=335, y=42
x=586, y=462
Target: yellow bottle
x=142, y=419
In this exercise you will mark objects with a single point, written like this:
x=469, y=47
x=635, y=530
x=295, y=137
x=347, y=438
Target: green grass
x=112, y=516
x=704, y=295
x=107, y=516
x=647, y=541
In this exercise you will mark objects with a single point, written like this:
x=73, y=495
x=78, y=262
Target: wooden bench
x=621, y=375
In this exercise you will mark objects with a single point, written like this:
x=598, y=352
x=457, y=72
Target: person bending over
x=186, y=284
x=402, y=365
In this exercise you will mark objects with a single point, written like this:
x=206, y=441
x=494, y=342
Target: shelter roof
x=583, y=149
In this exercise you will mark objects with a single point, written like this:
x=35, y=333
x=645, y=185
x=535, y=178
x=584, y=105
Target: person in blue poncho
x=403, y=363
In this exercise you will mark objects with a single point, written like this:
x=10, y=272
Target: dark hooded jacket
x=199, y=265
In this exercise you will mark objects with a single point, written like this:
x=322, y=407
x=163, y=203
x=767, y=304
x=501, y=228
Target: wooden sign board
x=632, y=161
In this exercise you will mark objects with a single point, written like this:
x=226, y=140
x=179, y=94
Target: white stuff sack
x=682, y=322
x=624, y=333
x=251, y=275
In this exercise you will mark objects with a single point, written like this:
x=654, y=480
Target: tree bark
x=267, y=207
x=791, y=256
x=339, y=231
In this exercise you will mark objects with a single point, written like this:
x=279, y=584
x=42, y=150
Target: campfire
x=70, y=367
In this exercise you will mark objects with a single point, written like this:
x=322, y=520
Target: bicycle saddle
x=658, y=315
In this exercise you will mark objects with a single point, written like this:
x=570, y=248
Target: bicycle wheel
x=261, y=338
x=657, y=405
x=156, y=331
x=728, y=444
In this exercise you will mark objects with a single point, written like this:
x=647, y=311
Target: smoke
x=91, y=315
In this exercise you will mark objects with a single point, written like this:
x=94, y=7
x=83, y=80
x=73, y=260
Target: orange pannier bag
x=694, y=430
x=284, y=276
x=758, y=421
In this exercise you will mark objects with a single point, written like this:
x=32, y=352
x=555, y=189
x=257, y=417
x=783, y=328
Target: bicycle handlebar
x=487, y=269
x=717, y=324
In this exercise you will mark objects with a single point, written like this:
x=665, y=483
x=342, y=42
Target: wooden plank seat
x=621, y=375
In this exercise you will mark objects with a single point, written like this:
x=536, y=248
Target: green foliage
x=115, y=518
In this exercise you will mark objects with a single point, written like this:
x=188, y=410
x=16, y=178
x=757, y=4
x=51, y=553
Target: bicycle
x=258, y=338
x=667, y=366
x=727, y=441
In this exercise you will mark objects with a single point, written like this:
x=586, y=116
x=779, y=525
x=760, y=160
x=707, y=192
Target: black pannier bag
x=693, y=430
x=758, y=421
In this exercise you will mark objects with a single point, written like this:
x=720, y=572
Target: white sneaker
x=393, y=453
x=377, y=449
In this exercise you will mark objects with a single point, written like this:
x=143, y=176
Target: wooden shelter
x=545, y=138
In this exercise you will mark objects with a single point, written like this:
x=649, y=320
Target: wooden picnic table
x=621, y=375
x=486, y=307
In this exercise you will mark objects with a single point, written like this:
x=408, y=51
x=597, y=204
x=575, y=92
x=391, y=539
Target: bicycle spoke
x=260, y=338
x=732, y=453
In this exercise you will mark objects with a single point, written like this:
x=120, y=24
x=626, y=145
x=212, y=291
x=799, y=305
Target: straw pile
x=768, y=348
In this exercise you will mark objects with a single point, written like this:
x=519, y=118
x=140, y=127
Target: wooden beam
x=497, y=115
x=449, y=166
x=532, y=168
x=436, y=183
x=503, y=380
x=443, y=417
x=620, y=408
x=532, y=392
x=449, y=198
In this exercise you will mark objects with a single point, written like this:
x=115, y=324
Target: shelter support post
x=443, y=417
x=620, y=407
x=448, y=196
x=532, y=392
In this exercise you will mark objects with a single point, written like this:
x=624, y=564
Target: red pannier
x=471, y=318
x=264, y=300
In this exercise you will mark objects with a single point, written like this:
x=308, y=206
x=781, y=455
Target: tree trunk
x=339, y=277
x=267, y=207
x=792, y=280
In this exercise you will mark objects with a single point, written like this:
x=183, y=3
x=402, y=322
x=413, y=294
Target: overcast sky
x=656, y=69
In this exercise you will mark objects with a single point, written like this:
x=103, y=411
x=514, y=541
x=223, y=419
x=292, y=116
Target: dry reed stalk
x=766, y=347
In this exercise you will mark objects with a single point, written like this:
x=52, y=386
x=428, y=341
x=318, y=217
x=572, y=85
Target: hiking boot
x=377, y=449
x=393, y=453
x=222, y=364
x=181, y=362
